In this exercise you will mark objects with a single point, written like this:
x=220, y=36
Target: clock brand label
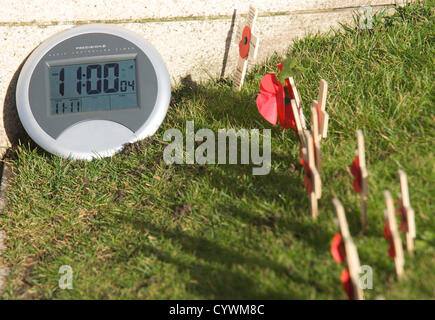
x=98, y=46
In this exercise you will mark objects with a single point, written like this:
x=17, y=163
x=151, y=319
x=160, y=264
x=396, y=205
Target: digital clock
x=87, y=91
x=92, y=87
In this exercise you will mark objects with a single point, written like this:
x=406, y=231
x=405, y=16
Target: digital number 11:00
x=94, y=84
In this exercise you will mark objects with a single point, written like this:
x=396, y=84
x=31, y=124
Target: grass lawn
x=133, y=227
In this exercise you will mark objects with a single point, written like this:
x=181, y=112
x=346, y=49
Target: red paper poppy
x=404, y=221
x=356, y=172
x=387, y=234
x=244, y=43
x=337, y=248
x=308, y=178
x=347, y=284
x=273, y=103
x=271, y=98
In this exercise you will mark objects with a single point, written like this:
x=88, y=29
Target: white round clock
x=87, y=91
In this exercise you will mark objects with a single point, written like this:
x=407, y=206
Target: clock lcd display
x=93, y=87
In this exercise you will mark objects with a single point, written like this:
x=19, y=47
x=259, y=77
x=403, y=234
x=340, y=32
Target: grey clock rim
x=50, y=144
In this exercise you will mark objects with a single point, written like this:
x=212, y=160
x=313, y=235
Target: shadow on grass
x=284, y=188
x=214, y=269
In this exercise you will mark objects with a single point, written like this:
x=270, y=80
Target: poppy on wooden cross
x=344, y=250
x=391, y=233
x=312, y=180
x=406, y=212
x=360, y=173
x=274, y=101
x=248, y=47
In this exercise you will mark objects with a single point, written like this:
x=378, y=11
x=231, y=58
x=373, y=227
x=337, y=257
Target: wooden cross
x=390, y=218
x=352, y=258
x=316, y=190
x=360, y=153
x=408, y=212
x=248, y=47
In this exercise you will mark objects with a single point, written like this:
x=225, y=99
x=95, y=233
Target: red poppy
x=347, y=284
x=273, y=103
x=244, y=43
x=387, y=234
x=271, y=98
x=356, y=172
x=337, y=248
x=404, y=221
x=308, y=178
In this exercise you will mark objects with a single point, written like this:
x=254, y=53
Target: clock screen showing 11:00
x=93, y=87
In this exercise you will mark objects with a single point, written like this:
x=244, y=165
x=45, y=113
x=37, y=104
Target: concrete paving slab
x=40, y=11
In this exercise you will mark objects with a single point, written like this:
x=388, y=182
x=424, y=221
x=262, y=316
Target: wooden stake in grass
x=344, y=250
x=320, y=106
x=407, y=213
x=299, y=127
x=316, y=137
x=392, y=234
x=319, y=118
x=359, y=171
x=312, y=180
x=323, y=122
x=297, y=111
x=248, y=47
x=294, y=94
